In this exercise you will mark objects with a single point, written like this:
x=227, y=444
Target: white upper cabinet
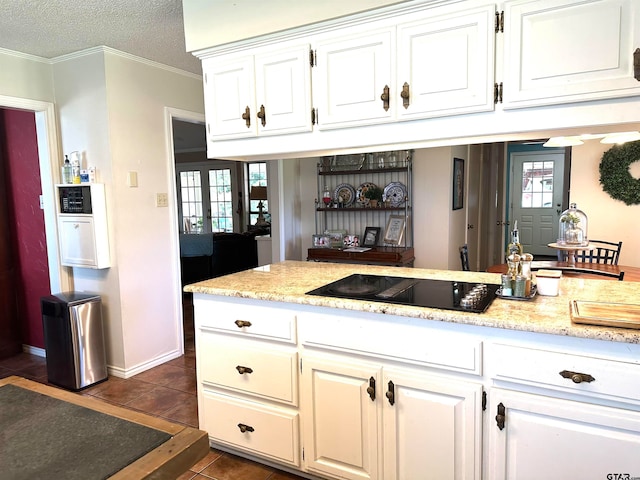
x=560, y=51
x=350, y=78
x=446, y=64
x=262, y=94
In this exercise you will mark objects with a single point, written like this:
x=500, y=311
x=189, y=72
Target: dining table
x=581, y=269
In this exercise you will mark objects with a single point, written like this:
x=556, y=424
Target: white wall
x=112, y=108
x=609, y=219
x=242, y=19
x=25, y=76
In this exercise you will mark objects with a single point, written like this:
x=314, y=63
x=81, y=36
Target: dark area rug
x=45, y=438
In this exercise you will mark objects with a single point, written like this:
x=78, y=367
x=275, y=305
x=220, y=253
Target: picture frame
x=394, y=232
x=335, y=237
x=458, y=184
x=321, y=241
x=370, y=237
x=351, y=241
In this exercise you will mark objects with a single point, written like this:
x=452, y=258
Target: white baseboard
x=130, y=372
x=40, y=352
x=116, y=371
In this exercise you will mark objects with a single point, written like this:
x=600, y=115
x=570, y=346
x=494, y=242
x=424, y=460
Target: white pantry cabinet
x=268, y=93
x=559, y=51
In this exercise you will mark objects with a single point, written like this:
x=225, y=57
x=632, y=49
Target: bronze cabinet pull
x=391, y=393
x=242, y=323
x=500, y=417
x=371, y=389
x=242, y=370
x=636, y=64
x=262, y=116
x=385, y=98
x=576, y=377
x=246, y=116
x=245, y=428
x=405, y=95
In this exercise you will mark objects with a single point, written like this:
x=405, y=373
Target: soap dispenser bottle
x=66, y=171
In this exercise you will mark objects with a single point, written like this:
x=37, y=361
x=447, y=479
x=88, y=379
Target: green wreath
x=615, y=177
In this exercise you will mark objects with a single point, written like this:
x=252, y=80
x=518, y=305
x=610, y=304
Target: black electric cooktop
x=445, y=294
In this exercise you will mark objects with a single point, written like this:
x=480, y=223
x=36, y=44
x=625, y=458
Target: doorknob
x=469, y=226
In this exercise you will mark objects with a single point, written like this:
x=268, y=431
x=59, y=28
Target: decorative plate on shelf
x=360, y=198
x=395, y=193
x=347, y=192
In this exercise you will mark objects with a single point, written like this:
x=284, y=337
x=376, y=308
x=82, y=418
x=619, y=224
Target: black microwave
x=75, y=199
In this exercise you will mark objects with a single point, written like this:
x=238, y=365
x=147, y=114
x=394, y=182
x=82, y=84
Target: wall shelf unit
x=342, y=207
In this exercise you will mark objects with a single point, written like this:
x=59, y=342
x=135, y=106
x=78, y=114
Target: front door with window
x=536, y=198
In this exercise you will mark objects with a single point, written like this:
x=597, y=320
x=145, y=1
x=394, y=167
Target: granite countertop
x=289, y=281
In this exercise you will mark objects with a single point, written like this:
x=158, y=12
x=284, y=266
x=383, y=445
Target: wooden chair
x=605, y=252
x=464, y=257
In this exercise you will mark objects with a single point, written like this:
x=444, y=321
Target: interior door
x=536, y=198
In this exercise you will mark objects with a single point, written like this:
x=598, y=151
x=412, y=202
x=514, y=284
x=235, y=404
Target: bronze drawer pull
x=391, y=393
x=577, y=377
x=245, y=428
x=262, y=115
x=501, y=416
x=242, y=323
x=242, y=370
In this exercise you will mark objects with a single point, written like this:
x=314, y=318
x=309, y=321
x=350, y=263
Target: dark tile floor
x=167, y=391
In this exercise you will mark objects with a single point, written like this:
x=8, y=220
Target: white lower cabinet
x=364, y=420
x=558, y=439
x=560, y=415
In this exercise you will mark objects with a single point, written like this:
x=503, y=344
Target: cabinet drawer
x=611, y=379
x=272, y=323
x=246, y=367
x=275, y=431
x=404, y=340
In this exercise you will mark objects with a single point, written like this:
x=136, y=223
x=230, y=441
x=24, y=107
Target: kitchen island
x=338, y=388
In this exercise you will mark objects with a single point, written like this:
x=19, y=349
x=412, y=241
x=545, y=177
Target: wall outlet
x=162, y=200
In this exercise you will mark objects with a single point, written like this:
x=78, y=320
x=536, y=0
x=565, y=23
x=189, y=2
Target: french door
x=205, y=199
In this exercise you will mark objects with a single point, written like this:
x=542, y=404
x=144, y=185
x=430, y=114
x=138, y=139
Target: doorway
x=537, y=194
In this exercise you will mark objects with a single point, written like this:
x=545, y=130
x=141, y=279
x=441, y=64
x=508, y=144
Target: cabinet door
x=341, y=421
x=559, y=51
x=283, y=88
x=433, y=429
x=228, y=93
x=77, y=241
x=556, y=439
x=350, y=77
x=447, y=63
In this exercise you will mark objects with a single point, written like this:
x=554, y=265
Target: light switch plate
x=162, y=200
x=132, y=179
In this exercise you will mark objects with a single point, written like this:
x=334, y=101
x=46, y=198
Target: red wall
x=29, y=244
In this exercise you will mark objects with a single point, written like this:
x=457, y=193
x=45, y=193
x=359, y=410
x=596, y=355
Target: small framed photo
x=351, y=241
x=321, y=241
x=370, y=237
x=458, y=183
x=394, y=232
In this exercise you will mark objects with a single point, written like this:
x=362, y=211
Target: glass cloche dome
x=573, y=227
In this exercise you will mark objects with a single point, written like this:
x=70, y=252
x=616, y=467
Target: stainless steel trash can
x=74, y=339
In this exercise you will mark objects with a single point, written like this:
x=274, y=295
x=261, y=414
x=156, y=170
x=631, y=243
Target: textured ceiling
x=151, y=29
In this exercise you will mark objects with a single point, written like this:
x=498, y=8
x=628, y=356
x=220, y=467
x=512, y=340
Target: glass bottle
x=514, y=246
x=572, y=228
x=67, y=175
